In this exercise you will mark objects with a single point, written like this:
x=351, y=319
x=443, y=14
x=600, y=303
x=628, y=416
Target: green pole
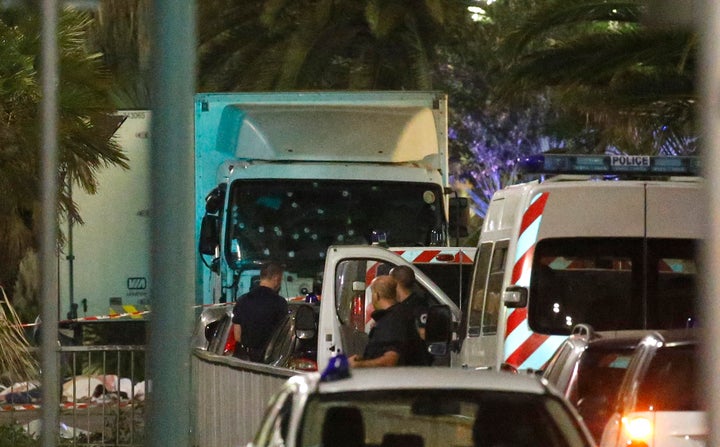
x=172, y=213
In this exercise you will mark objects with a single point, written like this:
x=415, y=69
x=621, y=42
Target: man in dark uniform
x=415, y=306
x=257, y=313
x=389, y=338
x=413, y=302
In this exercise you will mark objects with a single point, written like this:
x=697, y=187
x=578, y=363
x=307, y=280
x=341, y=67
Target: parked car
x=213, y=331
x=292, y=345
x=659, y=404
x=415, y=406
x=588, y=369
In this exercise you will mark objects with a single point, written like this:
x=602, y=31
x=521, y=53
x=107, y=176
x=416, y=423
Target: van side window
x=484, y=308
x=482, y=268
x=491, y=310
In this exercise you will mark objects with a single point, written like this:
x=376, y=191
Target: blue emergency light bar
x=610, y=165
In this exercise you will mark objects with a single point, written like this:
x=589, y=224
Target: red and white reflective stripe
x=63, y=406
x=109, y=317
x=98, y=318
x=524, y=348
x=429, y=256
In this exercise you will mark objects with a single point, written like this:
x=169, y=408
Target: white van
x=614, y=252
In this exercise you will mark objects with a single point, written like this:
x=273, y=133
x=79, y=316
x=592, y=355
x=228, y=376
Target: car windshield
x=437, y=418
x=294, y=222
x=670, y=383
x=612, y=284
x=600, y=374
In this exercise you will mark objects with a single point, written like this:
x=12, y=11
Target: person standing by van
x=257, y=313
x=413, y=302
x=415, y=307
x=392, y=337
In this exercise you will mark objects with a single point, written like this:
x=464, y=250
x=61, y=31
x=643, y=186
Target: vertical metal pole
x=172, y=213
x=708, y=22
x=72, y=313
x=48, y=252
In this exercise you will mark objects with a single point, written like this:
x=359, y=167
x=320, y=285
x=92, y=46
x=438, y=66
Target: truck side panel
x=111, y=251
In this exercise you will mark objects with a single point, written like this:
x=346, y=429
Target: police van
x=609, y=241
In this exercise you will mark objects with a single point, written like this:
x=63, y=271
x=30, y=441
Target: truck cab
x=282, y=176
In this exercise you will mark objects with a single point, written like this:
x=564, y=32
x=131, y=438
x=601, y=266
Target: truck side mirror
x=515, y=296
x=209, y=238
x=438, y=329
x=459, y=216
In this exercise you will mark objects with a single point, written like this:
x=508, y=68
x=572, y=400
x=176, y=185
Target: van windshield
x=612, y=284
x=294, y=222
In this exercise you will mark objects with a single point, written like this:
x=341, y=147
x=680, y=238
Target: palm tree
x=633, y=86
x=85, y=127
x=120, y=33
x=371, y=44
x=487, y=133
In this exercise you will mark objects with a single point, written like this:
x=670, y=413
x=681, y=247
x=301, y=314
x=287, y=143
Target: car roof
x=676, y=337
x=584, y=336
x=419, y=378
x=628, y=338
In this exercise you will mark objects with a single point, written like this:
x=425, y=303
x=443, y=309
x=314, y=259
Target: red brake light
x=230, y=344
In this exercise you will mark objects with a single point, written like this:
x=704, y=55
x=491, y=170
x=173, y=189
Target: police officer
x=257, y=313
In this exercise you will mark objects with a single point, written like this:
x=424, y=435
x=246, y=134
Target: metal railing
x=231, y=397
x=101, y=400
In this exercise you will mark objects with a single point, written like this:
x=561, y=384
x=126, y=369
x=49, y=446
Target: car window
x=276, y=421
x=217, y=333
x=459, y=418
x=670, y=381
x=557, y=365
x=596, y=384
x=600, y=373
x=446, y=276
x=280, y=345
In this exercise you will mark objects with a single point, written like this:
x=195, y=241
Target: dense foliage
x=85, y=128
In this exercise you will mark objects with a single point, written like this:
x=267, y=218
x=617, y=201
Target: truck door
x=345, y=305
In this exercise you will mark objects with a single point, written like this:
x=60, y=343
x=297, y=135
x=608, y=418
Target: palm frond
x=16, y=362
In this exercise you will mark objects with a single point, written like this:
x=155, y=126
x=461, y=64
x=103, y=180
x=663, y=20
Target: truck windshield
x=294, y=222
x=612, y=284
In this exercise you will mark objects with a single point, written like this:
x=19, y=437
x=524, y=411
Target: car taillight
x=230, y=344
x=639, y=429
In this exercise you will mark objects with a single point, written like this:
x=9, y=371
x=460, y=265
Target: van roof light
x=611, y=165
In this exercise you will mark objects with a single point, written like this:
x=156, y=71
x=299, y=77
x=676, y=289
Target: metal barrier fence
x=231, y=396
x=102, y=399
